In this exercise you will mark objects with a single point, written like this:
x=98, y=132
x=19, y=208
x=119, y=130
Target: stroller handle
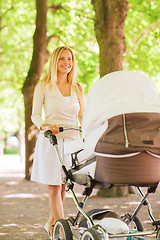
x=53, y=139
x=62, y=129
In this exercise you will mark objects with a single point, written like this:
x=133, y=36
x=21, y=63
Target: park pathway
x=24, y=204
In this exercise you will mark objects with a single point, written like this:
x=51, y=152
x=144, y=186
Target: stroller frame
x=89, y=185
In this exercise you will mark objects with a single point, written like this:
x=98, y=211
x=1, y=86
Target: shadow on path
x=24, y=204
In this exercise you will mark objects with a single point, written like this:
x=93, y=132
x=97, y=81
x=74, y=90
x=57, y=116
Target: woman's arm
x=81, y=98
x=38, y=101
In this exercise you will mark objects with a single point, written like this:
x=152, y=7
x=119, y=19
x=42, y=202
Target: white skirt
x=46, y=165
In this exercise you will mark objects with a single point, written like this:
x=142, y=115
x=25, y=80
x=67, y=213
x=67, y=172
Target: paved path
x=24, y=204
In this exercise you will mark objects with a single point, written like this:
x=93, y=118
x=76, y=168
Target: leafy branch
x=141, y=36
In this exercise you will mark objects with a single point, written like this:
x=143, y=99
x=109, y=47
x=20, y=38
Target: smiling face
x=65, y=62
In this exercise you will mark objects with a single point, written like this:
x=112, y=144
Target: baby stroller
x=124, y=150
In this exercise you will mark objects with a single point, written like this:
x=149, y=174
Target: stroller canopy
x=116, y=93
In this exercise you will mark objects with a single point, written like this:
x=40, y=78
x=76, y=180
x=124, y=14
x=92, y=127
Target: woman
x=63, y=101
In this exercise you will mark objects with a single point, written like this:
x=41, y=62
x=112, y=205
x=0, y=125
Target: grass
x=11, y=150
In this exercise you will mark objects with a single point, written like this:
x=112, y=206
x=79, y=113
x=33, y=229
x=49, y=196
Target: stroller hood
x=116, y=93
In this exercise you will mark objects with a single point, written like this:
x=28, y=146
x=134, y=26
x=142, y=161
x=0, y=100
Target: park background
x=30, y=28
x=105, y=35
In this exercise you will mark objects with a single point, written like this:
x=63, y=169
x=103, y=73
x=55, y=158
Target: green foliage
x=16, y=30
x=75, y=28
x=17, y=18
x=107, y=193
x=73, y=25
x=142, y=35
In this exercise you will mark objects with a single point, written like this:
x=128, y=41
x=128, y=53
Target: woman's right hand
x=53, y=128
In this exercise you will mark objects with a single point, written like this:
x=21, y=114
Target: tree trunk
x=20, y=136
x=109, y=28
x=39, y=58
x=109, y=23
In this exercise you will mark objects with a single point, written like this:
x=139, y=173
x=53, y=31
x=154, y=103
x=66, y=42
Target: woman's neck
x=62, y=78
x=64, y=87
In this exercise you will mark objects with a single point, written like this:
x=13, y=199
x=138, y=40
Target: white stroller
x=121, y=146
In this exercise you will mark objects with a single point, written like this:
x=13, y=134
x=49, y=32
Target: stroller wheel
x=158, y=234
x=91, y=234
x=62, y=230
x=135, y=225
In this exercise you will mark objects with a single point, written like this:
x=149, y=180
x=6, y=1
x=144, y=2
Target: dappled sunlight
x=69, y=195
x=25, y=204
x=29, y=230
x=2, y=234
x=11, y=183
x=32, y=132
x=33, y=195
x=124, y=207
x=17, y=174
x=26, y=195
x=35, y=226
x=11, y=166
x=31, y=157
x=107, y=206
x=10, y=225
x=132, y=203
x=30, y=233
x=147, y=221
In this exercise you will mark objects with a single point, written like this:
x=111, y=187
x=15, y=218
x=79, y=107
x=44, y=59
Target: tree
x=109, y=28
x=72, y=24
x=15, y=42
x=110, y=37
x=39, y=57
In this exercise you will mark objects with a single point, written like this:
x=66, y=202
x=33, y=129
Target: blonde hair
x=51, y=75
